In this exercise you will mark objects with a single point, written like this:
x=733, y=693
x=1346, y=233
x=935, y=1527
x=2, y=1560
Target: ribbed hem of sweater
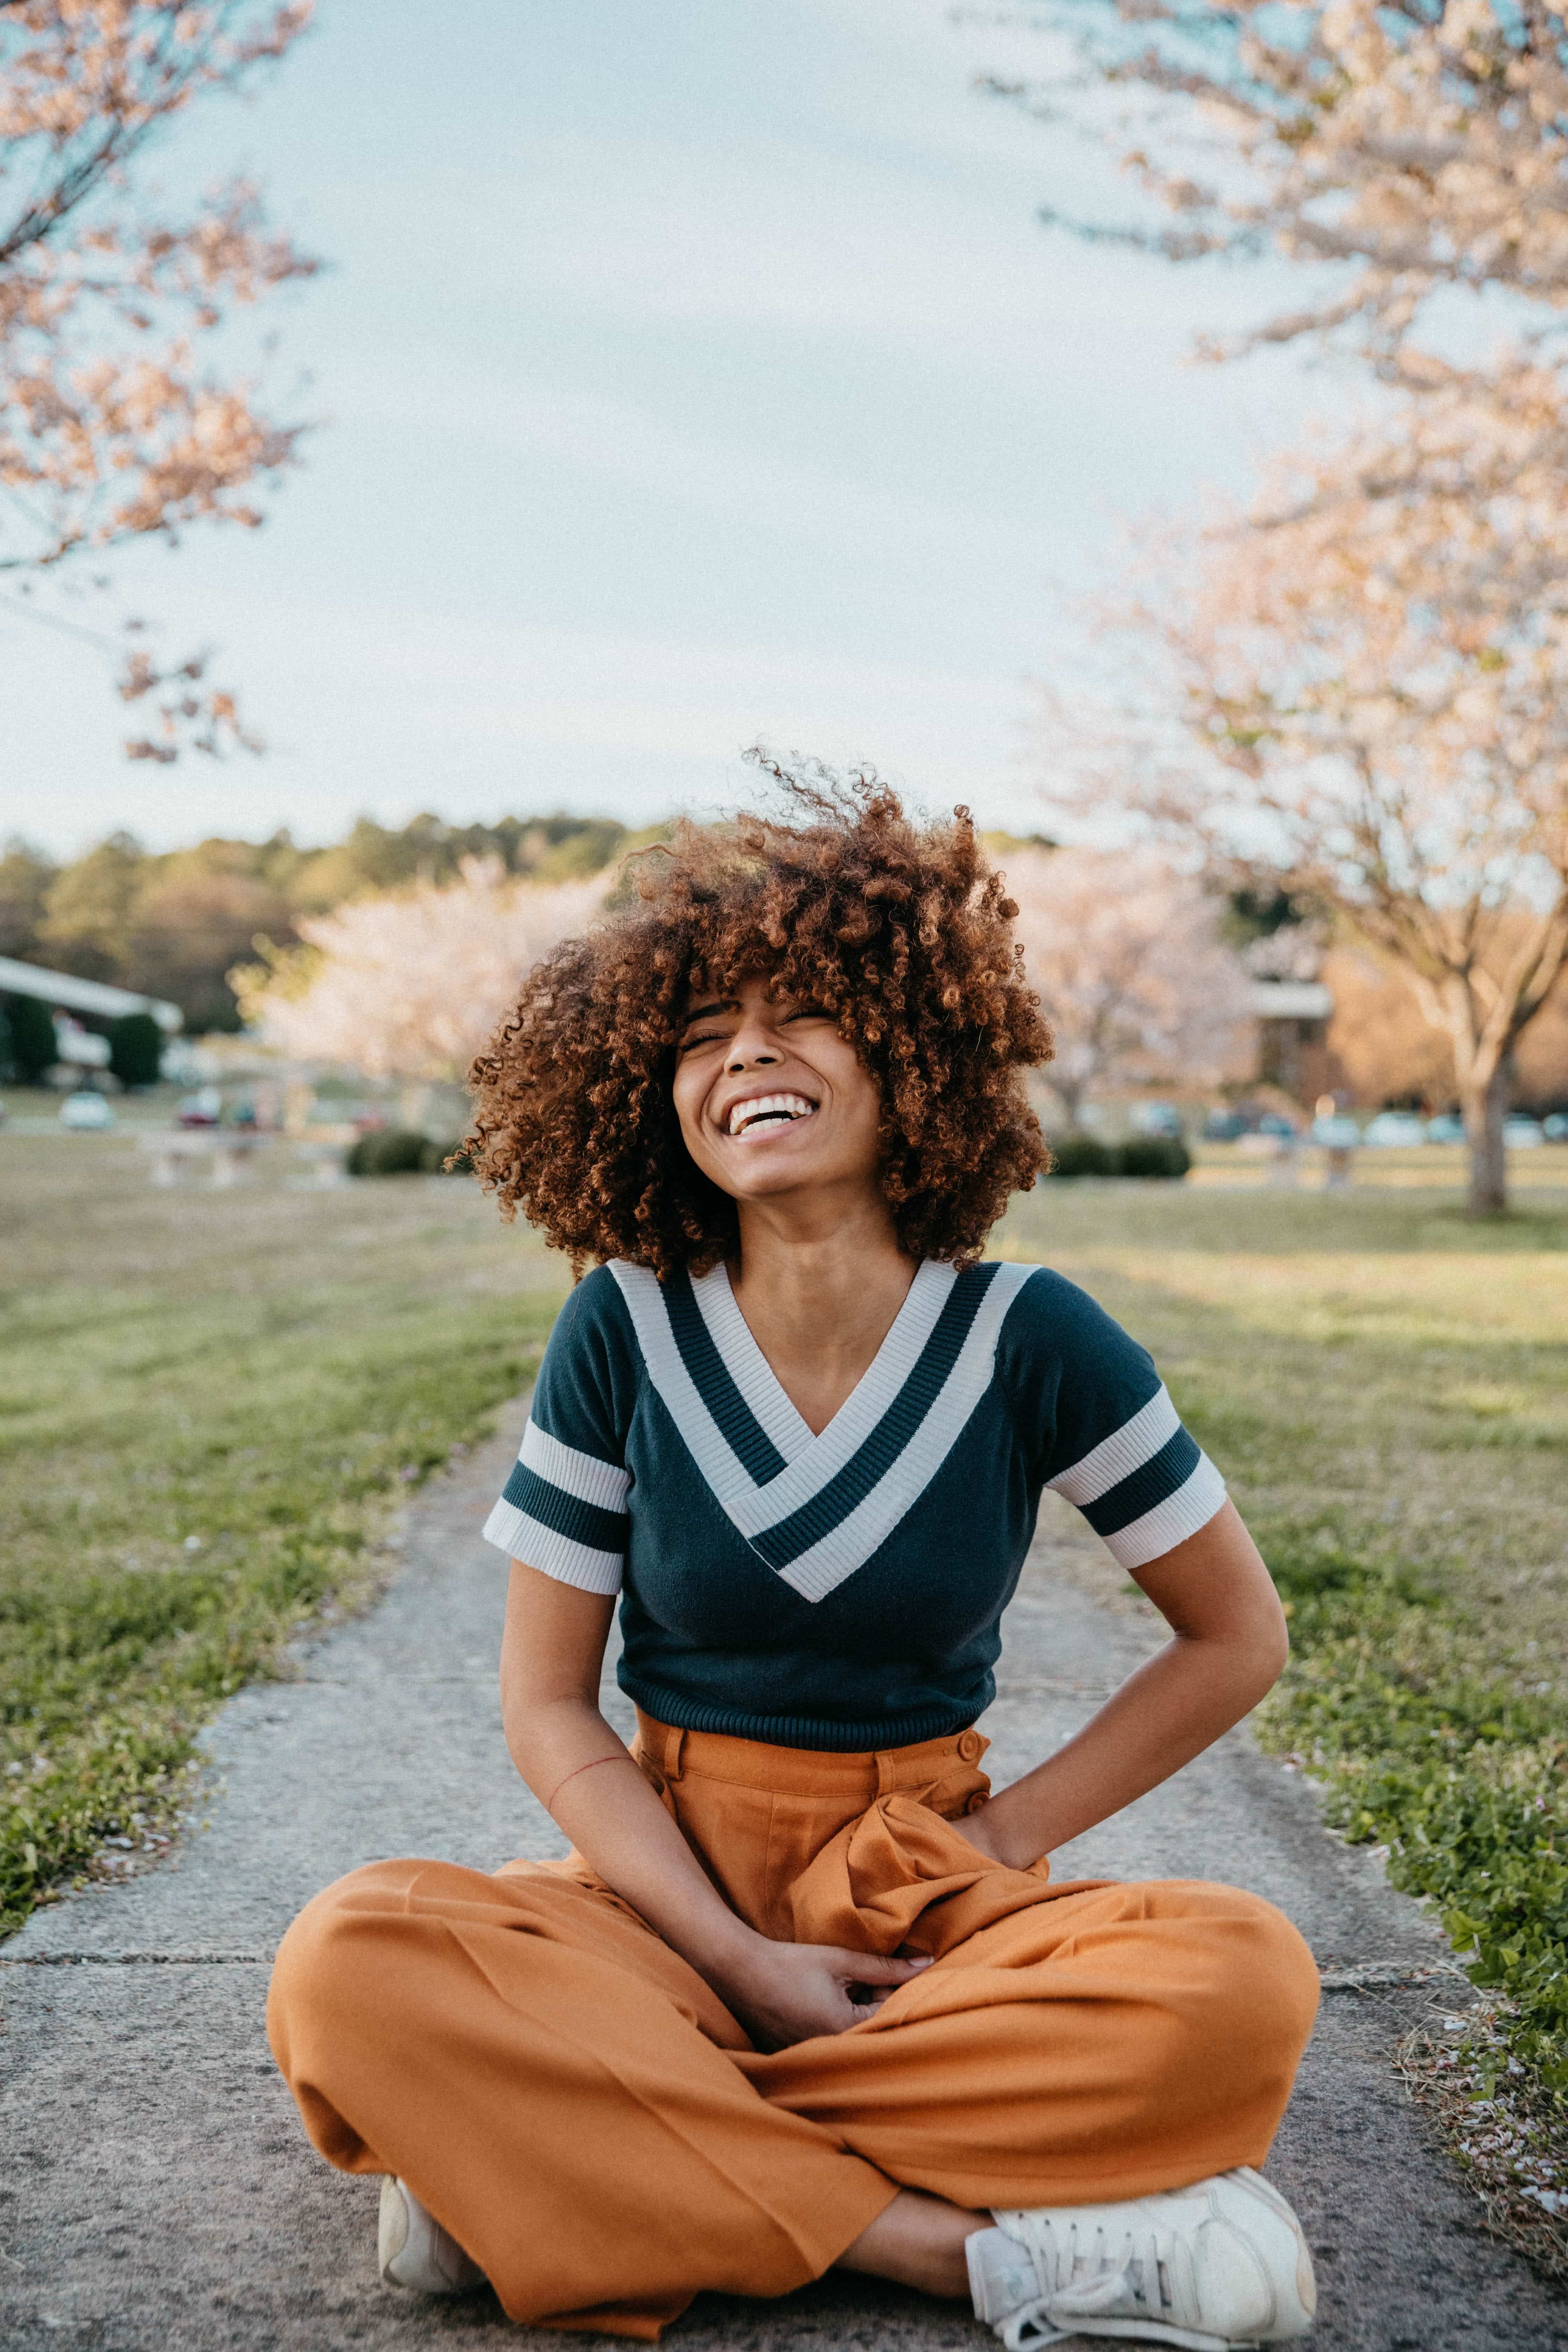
x=829, y=1735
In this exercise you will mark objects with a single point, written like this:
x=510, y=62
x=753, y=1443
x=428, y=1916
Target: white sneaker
x=413, y=2249
x=1216, y=2266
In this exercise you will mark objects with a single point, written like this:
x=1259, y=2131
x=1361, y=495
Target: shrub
x=32, y=1049
x=434, y=1157
x=387, y=1151
x=1081, y=1155
x=135, y=1049
x=1162, y=1156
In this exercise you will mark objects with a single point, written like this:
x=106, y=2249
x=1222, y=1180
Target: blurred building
x=1341, y=1020
x=1293, y=1050
x=81, y=1010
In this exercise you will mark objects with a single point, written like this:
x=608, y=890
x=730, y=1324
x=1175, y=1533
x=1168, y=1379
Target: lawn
x=1385, y=1386
x=1369, y=1366
x=209, y=1402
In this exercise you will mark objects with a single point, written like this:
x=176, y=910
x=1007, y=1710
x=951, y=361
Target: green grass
x=263, y=1372
x=208, y=1402
x=1385, y=1386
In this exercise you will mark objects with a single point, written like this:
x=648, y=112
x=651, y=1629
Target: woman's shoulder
x=587, y=1385
x=593, y=1319
x=1053, y=1323
x=1046, y=1306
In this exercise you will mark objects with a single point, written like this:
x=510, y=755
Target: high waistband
x=668, y=1754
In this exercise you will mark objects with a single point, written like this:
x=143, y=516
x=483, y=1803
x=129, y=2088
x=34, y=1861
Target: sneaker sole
x=391, y=2228
x=1153, y=2331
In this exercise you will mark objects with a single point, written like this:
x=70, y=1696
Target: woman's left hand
x=785, y=1993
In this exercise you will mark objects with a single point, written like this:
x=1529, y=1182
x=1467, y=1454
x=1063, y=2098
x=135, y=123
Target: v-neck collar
x=765, y=1394
x=815, y=1508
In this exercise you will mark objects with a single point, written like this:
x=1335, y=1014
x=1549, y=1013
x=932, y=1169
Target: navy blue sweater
x=843, y=1590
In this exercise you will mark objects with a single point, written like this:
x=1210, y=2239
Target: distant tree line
x=174, y=923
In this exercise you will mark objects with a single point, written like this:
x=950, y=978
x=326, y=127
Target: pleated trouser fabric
x=580, y=2111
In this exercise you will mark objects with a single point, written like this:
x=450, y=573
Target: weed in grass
x=1505, y=2135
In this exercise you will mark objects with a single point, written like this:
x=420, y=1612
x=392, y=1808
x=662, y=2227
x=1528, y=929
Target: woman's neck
x=819, y=1297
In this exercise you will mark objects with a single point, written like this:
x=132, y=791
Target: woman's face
x=771, y=1099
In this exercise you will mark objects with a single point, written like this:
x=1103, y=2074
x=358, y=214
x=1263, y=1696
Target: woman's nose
x=750, y=1051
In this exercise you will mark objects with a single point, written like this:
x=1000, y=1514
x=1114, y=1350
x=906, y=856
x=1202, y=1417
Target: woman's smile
x=759, y=1115
x=759, y=1068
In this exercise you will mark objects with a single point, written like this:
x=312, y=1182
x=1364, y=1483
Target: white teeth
x=782, y=1108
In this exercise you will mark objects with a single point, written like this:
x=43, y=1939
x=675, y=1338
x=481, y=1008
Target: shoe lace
x=1086, y=2270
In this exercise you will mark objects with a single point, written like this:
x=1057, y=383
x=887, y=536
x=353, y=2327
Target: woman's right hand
x=785, y=1993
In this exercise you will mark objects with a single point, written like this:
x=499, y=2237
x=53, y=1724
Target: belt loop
x=674, y=1744
x=887, y=1772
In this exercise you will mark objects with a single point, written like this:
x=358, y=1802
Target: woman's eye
x=807, y=1013
x=703, y=1037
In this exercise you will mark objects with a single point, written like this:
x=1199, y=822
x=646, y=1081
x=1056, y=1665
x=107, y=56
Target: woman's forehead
x=731, y=992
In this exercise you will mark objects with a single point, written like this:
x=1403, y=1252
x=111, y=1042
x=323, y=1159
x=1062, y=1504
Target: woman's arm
x=1229, y=1648
x=551, y=1655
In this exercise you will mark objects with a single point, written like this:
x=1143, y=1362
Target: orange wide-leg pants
x=575, y=2105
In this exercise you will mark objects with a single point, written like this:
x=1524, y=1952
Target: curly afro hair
x=901, y=929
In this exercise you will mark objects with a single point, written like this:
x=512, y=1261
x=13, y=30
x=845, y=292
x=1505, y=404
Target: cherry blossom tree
x=1130, y=969
x=412, y=985
x=1415, y=146
x=113, y=427
x=1372, y=668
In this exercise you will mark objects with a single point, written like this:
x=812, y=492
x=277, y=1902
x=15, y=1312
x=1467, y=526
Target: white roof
x=84, y=995
x=1289, y=1000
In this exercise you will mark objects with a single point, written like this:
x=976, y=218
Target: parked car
x=86, y=1112
x=1224, y=1127
x=1157, y=1118
x=1446, y=1128
x=1522, y=1134
x=1335, y=1130
x=1554, y=1127
x=1394, y=1129
x=1275, y=1123
x=203, y=1108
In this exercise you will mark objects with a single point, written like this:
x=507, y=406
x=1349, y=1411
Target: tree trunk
x=1485, y=1106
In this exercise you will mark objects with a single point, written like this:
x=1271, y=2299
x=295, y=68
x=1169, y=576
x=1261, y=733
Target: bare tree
x=112, y=428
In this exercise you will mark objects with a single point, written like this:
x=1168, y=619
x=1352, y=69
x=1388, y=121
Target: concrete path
x=156, y=2189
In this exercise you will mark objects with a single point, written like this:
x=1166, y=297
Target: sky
x=686, y=377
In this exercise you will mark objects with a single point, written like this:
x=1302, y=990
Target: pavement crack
x=135, y=1959
x=1359, y=1976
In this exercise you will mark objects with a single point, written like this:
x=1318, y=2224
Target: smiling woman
x=805, y=1994
x=890, y=939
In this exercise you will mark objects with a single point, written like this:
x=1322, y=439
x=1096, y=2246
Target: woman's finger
x=873, y=1969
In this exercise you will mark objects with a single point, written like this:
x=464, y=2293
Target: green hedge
x=1150, y=1156
x=401, y=1151
x=135, y=1049
x=30, y=1046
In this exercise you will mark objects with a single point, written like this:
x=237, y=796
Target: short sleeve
x=1106, y=1433
x=564, y=1509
